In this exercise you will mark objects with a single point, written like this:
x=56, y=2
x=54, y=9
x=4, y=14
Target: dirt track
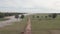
x=28, y=27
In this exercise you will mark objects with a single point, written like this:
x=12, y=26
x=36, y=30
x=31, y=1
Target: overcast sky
x=30, y=6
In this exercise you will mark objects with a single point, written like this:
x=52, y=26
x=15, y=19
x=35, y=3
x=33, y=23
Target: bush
x=37, y=16
x=45, y=16
x=50, y=15
x=1, y=15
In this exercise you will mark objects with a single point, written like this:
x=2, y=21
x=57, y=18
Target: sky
x=30, y=6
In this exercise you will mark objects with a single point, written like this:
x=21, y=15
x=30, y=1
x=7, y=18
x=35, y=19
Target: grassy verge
x=44, y=25
x=15, y=28
x=3, y=19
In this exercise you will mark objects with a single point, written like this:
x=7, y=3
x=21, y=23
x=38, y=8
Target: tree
x=37, y=16
x=54, y=15
x=22, y=16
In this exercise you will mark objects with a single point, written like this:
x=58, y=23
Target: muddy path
x=28, y=27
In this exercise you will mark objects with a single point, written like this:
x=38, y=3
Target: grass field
x=15, y=28
x=44, y=25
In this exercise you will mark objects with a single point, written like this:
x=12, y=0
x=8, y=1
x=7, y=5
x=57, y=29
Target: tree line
x=53, y=15
x=2, y=15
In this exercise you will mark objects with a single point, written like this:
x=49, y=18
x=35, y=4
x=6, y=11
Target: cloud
x=30, y=5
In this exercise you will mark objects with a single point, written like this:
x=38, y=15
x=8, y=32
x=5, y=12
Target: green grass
x=3, y=19
x=15, y=28
x=43, y=25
